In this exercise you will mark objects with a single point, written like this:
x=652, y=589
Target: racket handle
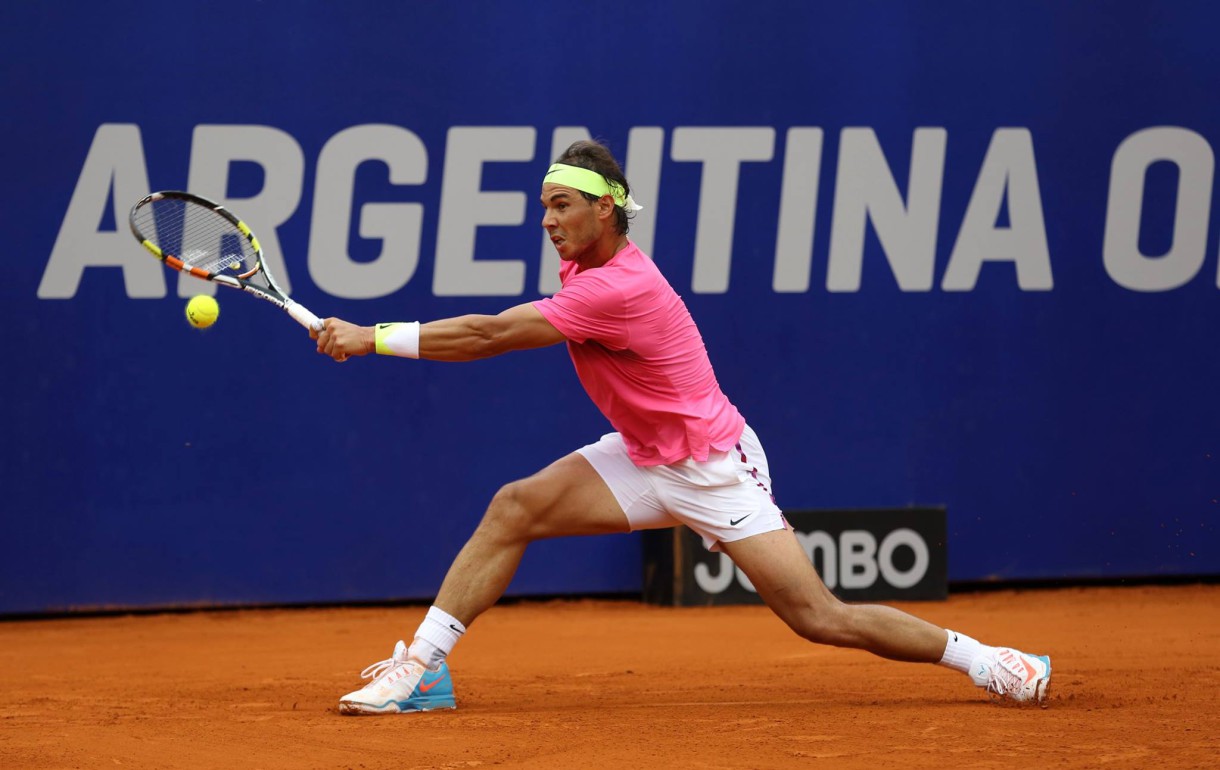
x=302, y=316
x=307, y=319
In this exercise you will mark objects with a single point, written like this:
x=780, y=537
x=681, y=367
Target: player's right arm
x=462, y=338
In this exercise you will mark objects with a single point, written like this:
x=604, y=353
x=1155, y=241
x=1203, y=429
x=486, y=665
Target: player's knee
x=511, y=513
x=505, y=514
x=826, y=623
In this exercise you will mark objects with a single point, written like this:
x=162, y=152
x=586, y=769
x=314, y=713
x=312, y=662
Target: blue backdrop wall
x=941, y=253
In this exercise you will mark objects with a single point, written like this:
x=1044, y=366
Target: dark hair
x=595, y=156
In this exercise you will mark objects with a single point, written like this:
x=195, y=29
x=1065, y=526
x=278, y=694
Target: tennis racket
x=194, y=235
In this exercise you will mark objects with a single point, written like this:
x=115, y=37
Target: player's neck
x=604, y=252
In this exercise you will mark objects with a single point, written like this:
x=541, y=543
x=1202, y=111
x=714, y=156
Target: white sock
x=435, y=638
x=960, y=651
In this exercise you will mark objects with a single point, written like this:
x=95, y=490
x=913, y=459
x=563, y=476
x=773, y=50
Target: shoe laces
x=380, y=669
x=1004, y=678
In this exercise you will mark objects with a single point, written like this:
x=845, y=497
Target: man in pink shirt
x=681, y=454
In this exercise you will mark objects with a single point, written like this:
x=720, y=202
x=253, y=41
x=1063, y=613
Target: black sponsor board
x=886, y=554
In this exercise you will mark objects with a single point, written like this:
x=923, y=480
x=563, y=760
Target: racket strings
x=197, y=235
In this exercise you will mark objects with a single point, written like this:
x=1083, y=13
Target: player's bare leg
x=566, y=498
x=780, y=571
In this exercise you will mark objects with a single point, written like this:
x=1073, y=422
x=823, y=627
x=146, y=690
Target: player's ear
x=605, y=207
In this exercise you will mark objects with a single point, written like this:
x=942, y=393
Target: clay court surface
x=592, y=684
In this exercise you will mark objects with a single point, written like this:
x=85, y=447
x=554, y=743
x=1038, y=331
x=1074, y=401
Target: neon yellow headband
x=590, y=182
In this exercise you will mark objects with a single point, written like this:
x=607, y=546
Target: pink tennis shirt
x=642, y=360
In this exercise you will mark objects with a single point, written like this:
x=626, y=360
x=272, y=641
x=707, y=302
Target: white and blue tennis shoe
x=400, y=685
x=1008, y=674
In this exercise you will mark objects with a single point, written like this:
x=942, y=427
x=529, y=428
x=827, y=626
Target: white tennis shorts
x=726, y=498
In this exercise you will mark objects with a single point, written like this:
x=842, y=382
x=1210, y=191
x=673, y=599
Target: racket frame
x=271, y=293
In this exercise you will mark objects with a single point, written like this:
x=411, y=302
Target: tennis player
x=680, y=454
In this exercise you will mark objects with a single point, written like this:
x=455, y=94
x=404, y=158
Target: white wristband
x=398, y=339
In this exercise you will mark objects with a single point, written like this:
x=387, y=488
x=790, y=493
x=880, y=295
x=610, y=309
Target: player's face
x=571, y=221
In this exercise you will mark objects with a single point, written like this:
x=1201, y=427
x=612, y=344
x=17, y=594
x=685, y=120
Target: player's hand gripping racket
x=194, y=235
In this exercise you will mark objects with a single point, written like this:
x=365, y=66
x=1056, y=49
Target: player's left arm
x=470, y=337
x=462, y=338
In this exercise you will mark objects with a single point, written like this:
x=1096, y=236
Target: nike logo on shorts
x=735, y=522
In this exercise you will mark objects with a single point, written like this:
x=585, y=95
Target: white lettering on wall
x=721, y=151
x=213, y=150
x=885, y=558
x=865, y=191
x=465, y=206
x=798, y=204
x=115, y=174
x=645, y=145
x=857, y=558
x=854, y=562
x=1195, y=162
x=115, y=163
x=397, y=225
x=718, y=582
x=1008, y=172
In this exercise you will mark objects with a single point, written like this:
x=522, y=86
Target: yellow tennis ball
x=202, y=311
